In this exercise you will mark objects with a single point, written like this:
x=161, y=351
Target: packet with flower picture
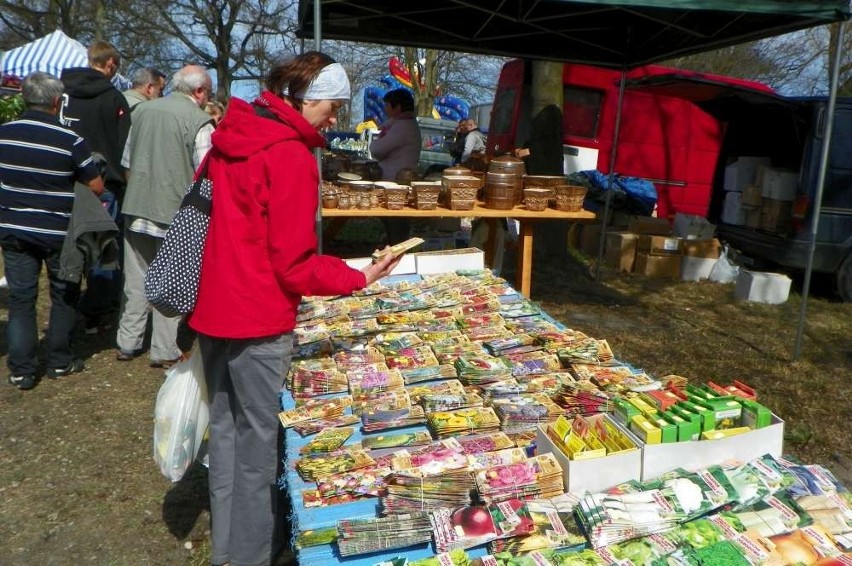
x=474, y=444
x=312, y=467
x=327, y=440
x=374, y=379
x=443, y=402
x=395, y=441
x=312, y=427
x=475, y=420
x=315, y=409
x=446, y=387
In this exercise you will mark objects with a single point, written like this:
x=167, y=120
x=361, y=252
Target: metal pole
x=318, y=151
x=823, y=168
x=612, y=155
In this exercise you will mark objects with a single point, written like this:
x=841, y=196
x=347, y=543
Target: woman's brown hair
x=296, y=74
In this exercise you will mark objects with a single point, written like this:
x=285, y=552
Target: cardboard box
x=695, y=268
x=597, y=473
x=692, y=227
x=743, y=172
x=776, y=216
x=621, y=250
x=406, y=266
x=449, y=260
x=779, y=184
x=660, y=458
x=662, y=266
x=649, y=225
x=590, y=239
x=709, y=249
x=662, y=245
x=762, y=287
x=752, y=217
x=732, y=210
x=752, y=195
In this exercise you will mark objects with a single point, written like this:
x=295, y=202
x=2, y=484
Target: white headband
x=331, y=84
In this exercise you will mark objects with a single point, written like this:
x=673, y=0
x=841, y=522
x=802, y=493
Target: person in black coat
x=98, y=112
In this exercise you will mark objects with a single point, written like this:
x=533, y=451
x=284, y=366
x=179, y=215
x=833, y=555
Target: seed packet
x=364, y=536
x=519, y=309
x=327, y=440
x=316, y=537
x=313, y=467
x=443, y=402
x=589, y=351
x=371, y=379
x=446, y=387
x=312, y=427
x=391, y=342
x=315, y=409
x=474, y=444
x=313, y=383
x=414, y=357
x=313, y=350
x=365, y=482
x=525, y=526
x=463, y=421
x=380, y=421
x=461, y=528
x=426, y=373
x=400, y=440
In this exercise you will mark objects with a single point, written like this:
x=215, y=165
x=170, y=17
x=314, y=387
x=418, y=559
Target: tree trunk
x=546, y=85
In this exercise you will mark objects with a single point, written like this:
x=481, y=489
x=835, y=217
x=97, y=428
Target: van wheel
x=844, y=280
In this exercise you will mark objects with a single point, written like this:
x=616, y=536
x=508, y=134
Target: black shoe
x=23, y=382
x=76, y=366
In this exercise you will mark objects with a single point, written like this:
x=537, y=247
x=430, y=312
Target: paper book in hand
x=398, y=249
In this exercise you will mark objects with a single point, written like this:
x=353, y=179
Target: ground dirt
x=78, y=483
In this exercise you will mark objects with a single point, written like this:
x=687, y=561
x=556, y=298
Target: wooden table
x=525, y=236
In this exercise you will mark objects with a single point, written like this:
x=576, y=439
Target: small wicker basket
x=569, y=198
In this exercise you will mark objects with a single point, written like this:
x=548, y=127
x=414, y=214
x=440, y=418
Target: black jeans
x=23, y=265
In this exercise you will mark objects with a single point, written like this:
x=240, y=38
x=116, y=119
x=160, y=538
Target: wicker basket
x=569, y=198
x=536, y=198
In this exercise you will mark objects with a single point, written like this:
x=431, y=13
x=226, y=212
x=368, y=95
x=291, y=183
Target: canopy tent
x=608, y=33
x=50, y=54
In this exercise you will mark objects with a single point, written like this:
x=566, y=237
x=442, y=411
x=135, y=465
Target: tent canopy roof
x=608, y=33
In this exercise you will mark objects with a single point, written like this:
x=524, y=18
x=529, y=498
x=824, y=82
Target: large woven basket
x=569, y=198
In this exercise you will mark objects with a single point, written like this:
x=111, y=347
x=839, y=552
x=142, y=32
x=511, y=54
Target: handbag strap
x=193, y=197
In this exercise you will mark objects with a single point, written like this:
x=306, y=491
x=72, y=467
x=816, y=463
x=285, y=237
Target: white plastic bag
x=724, y=270
x=180, y=417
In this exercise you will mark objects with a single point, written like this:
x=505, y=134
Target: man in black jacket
x=98, y=112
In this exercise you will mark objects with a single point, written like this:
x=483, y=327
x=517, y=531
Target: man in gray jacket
x=167, y=142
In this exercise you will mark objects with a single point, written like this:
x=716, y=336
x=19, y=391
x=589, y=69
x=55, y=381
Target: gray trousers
x=244, y=378
x=139, y=252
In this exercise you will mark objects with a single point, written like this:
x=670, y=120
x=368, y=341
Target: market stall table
x=523, y=279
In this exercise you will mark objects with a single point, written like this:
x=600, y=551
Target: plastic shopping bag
x=180, y=417
x=724, y=270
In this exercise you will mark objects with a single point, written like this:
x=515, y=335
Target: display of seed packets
x=525, y=411
x=536, y=524
x=406, y=493
x=373, y=378
x=538, y=477
x=588, y=351
x=315, y=409
x=365, y=482
x=327, y=440
x=315, y=426
x=311, y=468
x=474, y=444
x=313, y=383
x=475, y=420
x=379, y=420
x=347, y=359
x=427, y=373
x=462, y=528
x=443, y=402
x=476, y=369
x=316, y=537
x=446, y=387
x=363, y=536
x=413, y=357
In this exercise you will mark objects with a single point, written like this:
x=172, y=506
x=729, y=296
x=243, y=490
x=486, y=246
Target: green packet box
x=668, y=429
x=623, y=410
x=688, y=427
x=727, y=410
x=754, y=415
x=707, y=415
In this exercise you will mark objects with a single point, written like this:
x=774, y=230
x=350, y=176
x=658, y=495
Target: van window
x=504, y=106
x=581, y=111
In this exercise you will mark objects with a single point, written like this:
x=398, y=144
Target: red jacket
x=260, y=255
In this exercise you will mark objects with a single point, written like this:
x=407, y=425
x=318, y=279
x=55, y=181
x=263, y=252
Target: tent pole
x=318, y=151
x=823, y=168
x=612, y=155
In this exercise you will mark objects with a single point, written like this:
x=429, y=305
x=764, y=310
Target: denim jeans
x=23, y=265
x=103, y=287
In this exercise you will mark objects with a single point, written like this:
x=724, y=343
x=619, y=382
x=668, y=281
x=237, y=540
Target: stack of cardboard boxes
x=759, y=196
x=652, y=247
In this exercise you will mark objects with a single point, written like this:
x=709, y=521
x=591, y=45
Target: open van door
x=503, y=129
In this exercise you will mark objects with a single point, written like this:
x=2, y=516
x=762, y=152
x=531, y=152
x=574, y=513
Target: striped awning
x=49, y=54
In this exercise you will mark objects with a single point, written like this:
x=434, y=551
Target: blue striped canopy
x=49, y=54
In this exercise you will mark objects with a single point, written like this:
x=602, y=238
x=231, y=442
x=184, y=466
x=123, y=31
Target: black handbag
x=171, y=282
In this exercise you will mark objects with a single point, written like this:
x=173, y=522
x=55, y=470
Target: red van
x=667, y=140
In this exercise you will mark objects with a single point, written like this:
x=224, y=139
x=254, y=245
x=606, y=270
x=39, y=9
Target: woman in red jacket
x=259, y=259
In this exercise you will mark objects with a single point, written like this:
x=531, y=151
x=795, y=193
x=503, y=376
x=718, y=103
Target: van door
x=504, y=127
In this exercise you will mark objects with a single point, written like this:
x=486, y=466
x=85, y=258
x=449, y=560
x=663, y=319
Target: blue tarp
x=630, y=194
